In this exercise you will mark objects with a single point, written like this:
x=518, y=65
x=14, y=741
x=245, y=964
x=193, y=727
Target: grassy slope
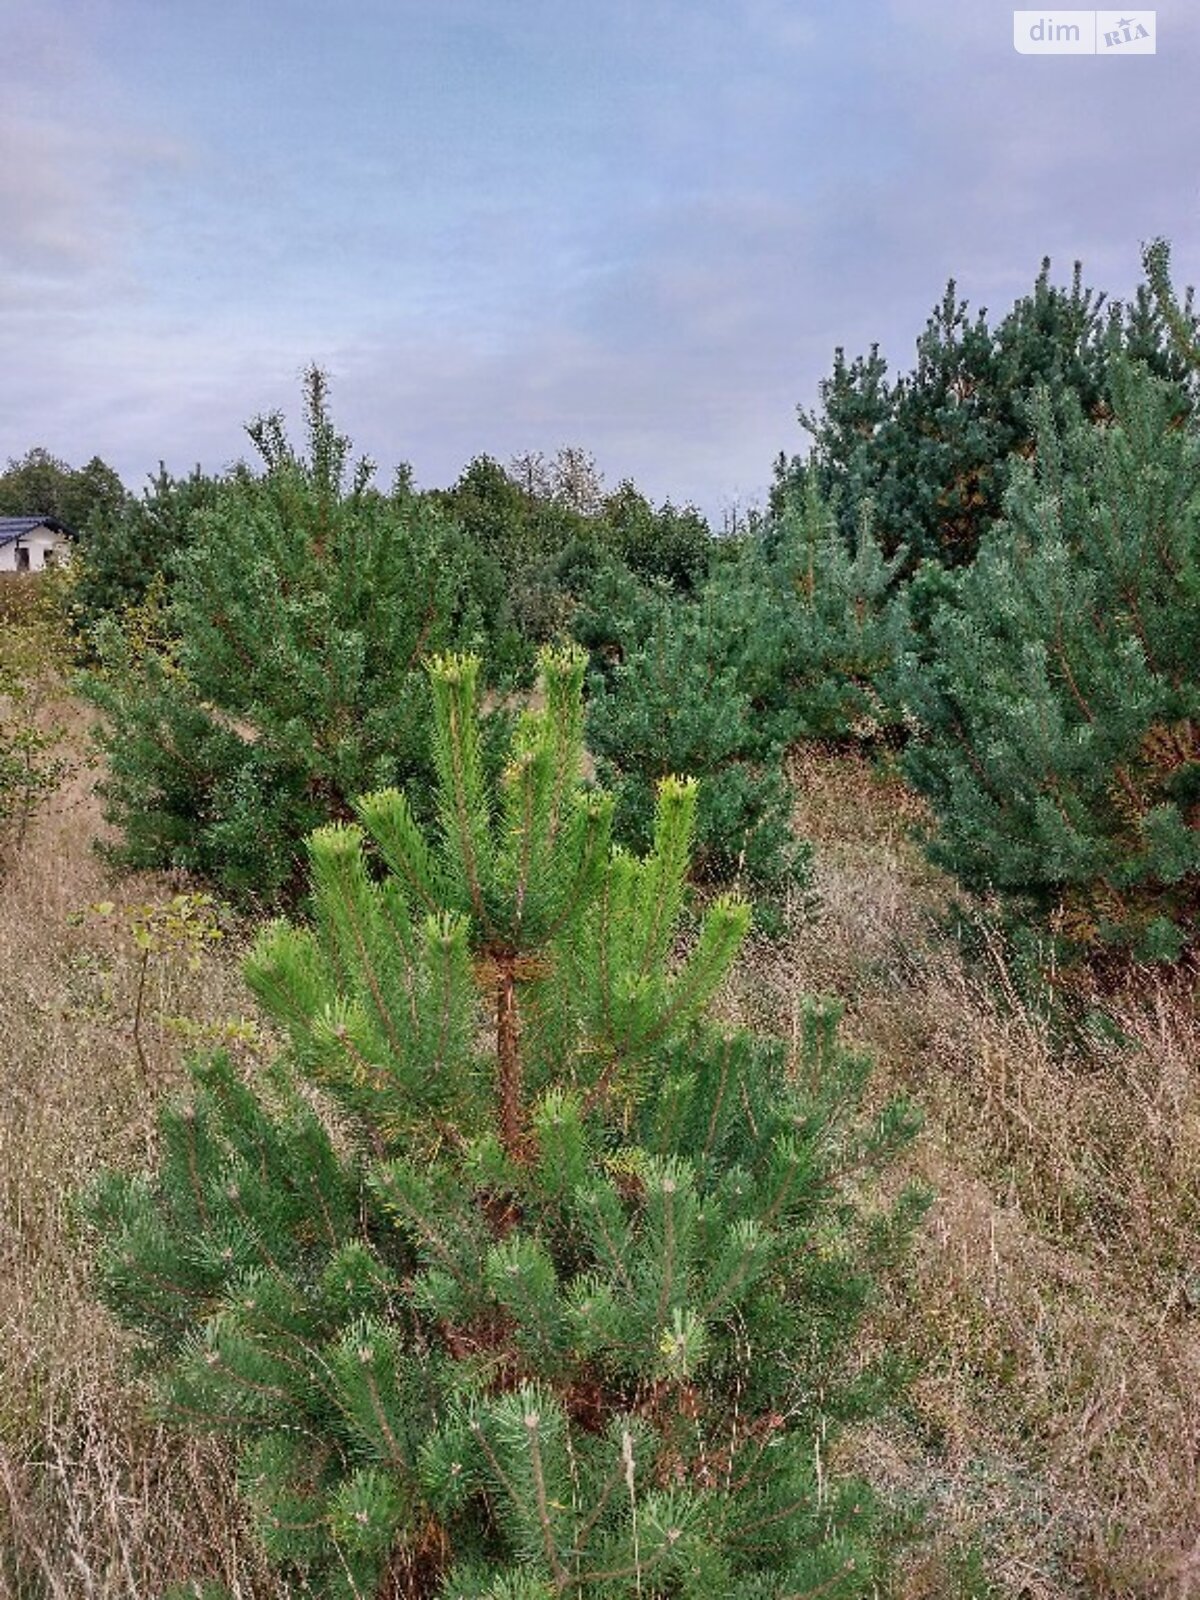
x=1052, y=1301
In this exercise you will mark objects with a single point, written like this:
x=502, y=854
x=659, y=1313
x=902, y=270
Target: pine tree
x=787, y=640
x=1178, y=315
x=515, y=1279
x=667, y=696
x=812, y=620
x=135, y=544
x=1059, y=685
x=933, y=448
x=285, y=677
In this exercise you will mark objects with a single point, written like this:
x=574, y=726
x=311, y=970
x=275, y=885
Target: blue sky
x=637, y=227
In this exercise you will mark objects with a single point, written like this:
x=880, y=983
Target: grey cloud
x=674, y=336
x=57, y=216
x=75, y=149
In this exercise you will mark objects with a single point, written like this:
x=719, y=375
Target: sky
x=638, y=226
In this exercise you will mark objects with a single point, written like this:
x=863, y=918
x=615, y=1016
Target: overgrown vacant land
x=550, y=1242
x=1053, y=1426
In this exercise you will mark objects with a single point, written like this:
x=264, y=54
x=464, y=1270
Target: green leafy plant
x=29, y=768
x=515, y=1277
x=539, y=531
x=39, y=484
x=183, y=925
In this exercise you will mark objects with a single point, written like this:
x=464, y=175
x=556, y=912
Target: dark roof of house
x=17, y=527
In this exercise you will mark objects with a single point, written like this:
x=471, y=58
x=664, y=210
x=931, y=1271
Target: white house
x=28, y=544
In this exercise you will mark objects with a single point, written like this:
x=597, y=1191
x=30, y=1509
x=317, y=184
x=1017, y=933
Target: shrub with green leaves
x=537, y=533
x=1059, y=683
x=515, y=1279
x=40, y=484
x=31, y=765
x=671, y=545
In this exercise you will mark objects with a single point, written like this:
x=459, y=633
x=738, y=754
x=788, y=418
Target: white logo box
x=1085, y=33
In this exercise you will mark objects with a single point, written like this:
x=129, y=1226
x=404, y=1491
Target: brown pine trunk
x=508, y=1064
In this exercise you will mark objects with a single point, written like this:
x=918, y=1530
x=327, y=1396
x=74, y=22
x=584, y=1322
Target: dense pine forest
x=555, y=1051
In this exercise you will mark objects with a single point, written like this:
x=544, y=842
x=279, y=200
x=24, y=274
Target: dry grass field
x=1052, y=1302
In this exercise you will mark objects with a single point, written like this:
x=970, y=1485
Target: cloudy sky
x=502, y=225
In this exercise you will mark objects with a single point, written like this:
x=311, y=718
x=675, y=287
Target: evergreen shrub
x=789, y=639
x=813, y=622
x=665, y=698
x=933, y=447
x=280, y=674
x=1059, y=683
x=134, y=545
x=515, y=1278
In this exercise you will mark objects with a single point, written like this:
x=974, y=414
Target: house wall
x=38, y=543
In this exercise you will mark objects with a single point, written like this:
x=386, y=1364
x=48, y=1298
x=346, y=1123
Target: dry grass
x=1052, y=1302
x=95, y=1501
